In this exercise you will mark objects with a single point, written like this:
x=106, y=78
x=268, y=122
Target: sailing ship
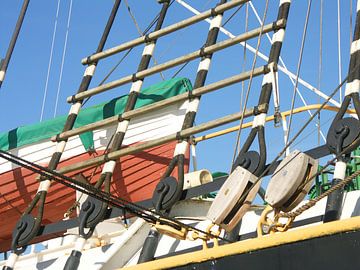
x=110, y=185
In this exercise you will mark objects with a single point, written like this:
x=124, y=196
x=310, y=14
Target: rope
x=272, y=164
x=299, y=67
x=63, y=57
x=149, y=215
x=175, y=39
x=250, y=79
x=312, y=202
x=238, y=139
x=339, y=43
x=50, y=60
x=141, y=33
x=126, y=54
x=285, y=70
x=232, y=15
x=351, y=19
x=320, y=62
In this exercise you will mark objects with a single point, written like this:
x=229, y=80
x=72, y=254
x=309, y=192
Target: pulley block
x=92, y=212
x=249, y=161
x=24, y=231
x=291, y=182
x=342, y=134
x=228, y=207
x=164, y=192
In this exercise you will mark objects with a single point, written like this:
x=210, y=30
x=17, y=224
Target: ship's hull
x=324, y=247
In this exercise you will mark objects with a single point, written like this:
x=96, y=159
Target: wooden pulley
x=227, y=209
x=287, y=186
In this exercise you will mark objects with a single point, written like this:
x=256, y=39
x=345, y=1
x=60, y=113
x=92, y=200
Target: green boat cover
x=45, y=130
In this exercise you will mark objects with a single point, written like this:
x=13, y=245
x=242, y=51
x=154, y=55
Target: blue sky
x=22, y=92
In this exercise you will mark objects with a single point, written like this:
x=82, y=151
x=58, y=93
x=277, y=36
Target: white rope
x=339, y=46
x=63, y=58
x=50, y=60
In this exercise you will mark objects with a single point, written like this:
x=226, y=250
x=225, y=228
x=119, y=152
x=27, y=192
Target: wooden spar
x=178, y=61
x=5, y=63
x=182, y=134
x=268, y=119
x=163, y=103
x=162, y=32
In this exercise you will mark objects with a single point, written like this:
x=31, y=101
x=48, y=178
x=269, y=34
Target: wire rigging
x=350, y=21
x=50, y=60
x=243, y=70
x=339, y=45
x=63, y=57
x=299, y=67
x=141, y=33
x=273, y=163
x=112, y=70
x=292, y=77
x=320, y=63
x=250, y=79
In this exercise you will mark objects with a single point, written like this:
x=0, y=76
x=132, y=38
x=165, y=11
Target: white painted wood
x=143, y=128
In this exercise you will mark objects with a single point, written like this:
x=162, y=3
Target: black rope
x=148, y=215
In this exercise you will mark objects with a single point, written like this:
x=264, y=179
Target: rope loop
x=213, y=12
x=134, y=78
x=202, y=52
x=120, y=118
x=191, y=96
x=73, y=99
x=178, y=136
x=147, y=38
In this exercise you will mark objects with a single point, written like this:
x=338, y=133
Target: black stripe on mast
x=5, y=63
